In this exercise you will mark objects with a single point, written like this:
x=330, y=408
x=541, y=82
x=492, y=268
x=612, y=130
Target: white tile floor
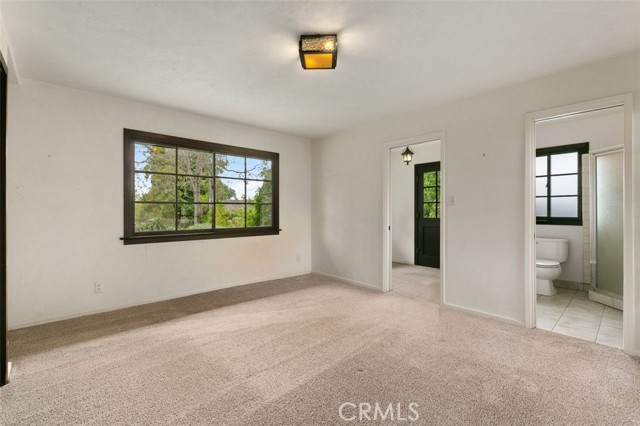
x=570, y=312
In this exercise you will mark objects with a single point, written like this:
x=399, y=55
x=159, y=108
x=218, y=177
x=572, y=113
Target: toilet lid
x=544, y=263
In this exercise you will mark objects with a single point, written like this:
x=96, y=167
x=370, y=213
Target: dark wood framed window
x=559, y=184
x=178, y=189
x=431, y=194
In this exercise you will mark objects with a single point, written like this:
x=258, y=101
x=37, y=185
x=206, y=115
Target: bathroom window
x=180, y=189
x=559, y=184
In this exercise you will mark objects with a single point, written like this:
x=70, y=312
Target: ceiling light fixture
x=407, y=155
x=318, y=52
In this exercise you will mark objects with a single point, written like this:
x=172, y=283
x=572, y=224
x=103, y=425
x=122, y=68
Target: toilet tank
x=552, y=249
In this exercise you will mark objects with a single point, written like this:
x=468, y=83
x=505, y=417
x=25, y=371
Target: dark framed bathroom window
x=178, y=189
x=559, y=184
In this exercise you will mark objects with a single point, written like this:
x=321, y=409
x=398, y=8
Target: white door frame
x=387, y=231
x=630, y=220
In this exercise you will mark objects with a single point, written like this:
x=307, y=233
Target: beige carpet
x=290, y=352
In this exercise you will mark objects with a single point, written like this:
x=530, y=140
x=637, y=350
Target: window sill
x=561, y=223
x=192, y=236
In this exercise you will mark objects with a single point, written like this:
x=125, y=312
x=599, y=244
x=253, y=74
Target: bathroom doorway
x=578, y=197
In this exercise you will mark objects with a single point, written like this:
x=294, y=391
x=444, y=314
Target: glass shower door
x=607, y=221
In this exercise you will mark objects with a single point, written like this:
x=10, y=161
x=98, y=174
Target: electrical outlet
x=97, y=287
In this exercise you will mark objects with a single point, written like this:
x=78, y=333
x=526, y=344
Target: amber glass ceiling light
x=319, y=52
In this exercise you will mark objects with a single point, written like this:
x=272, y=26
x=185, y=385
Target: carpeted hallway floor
x=290, y=352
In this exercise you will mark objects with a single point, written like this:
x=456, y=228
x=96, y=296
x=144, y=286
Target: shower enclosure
x=606, y=202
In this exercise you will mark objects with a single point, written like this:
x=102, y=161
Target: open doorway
x=414, y=235
x=578, y=202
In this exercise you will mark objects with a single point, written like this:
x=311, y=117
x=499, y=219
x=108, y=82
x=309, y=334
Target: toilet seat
x=544, y=263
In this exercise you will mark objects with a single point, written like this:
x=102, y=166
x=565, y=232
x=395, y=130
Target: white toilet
x=550, y=253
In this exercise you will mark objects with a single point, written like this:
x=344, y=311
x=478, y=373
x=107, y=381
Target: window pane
x=438, y=210
x=564, y=185
x=430, y=179
x=564, y=207
x=541, y=186
x=564, y=163
x=194, y=216
x=259, y=215
x=193, y=189
x=541, y=207
x=155, y=217
x=430, y=195
x=229, y=215
x=194, y=162
x=541, y=166
x=229, y=166
x=153, y=187
x=258, y=169
x=258, y=192
x=155, y=158
x=180, y=189
x=229, y=190
x=429, y=210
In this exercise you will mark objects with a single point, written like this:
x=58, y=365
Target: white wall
x=484, y=154
x=4, y=42
x=601, y=129
x=6, y=52
x=65, y=208
x=403, y=198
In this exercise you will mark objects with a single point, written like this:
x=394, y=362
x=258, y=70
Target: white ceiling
x=238, y=60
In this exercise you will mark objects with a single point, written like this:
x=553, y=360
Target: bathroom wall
x=601, y=129
x=403, y=198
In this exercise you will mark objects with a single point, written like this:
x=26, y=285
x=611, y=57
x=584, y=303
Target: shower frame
x=601, y=296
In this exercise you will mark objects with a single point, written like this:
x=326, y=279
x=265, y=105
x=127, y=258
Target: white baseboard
x=402, y=262
x=484, y=314
x=348, y=281
x=148, y=301
x=633, y=353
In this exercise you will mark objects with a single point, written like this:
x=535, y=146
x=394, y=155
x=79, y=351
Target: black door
x=427, y=237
